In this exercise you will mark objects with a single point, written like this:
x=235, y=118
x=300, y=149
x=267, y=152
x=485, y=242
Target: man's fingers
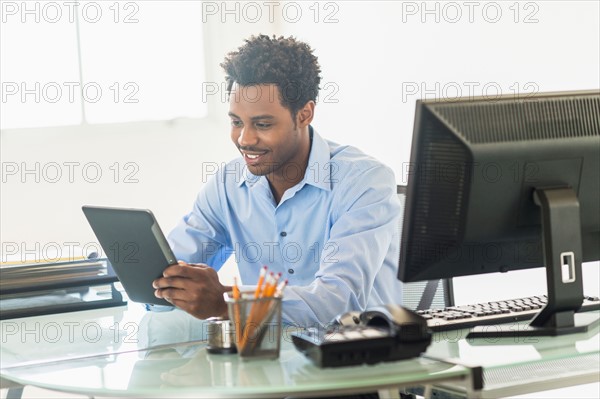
x=194, y=288
x=173, y=295
x=164, y=282
x=177, y=271
x=177, y=276
x=183, y=269
x=166, y=293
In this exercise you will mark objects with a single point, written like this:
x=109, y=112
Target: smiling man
x=322, y=214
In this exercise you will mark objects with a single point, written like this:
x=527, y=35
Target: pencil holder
x=257, y=325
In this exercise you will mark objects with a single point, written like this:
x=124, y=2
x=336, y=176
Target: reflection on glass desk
x=163, y=354
x=188, y=370
x=127, y=351
x=48, y=338
x=520, y=365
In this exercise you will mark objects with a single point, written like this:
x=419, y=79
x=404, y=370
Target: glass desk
x=130, y=352
x=515, y=366
x=127, y=351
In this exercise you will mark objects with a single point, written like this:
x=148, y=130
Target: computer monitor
x=503, y=184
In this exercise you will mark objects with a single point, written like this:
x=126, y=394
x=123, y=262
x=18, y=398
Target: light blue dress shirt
x=334, y=235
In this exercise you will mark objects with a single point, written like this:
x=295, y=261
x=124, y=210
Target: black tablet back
x=135, y=246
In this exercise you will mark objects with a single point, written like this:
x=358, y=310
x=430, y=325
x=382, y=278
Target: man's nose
x=248, y=137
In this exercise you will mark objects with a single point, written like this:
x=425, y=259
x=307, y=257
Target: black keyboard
x=491, y=313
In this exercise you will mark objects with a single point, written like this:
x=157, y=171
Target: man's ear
x=306, y=114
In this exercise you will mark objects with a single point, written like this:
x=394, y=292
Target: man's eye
x=236, y=123
x=263, y=125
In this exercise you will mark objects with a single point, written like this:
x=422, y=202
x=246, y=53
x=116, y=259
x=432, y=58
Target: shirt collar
x=318, y=170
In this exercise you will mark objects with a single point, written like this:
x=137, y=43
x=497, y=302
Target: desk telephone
x=380, y=334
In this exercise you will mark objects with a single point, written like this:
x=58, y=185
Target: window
x=65, y=63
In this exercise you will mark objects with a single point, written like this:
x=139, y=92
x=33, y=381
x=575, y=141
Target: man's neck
x=286, y=178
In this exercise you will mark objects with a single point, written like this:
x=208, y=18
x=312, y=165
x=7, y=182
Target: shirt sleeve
x=200, y=236
x=359, y=242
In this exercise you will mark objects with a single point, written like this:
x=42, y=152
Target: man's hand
x=193, y=288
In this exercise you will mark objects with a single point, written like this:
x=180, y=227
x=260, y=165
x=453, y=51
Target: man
x=324, y=215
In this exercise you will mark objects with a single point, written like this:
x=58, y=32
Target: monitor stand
x=561, y=234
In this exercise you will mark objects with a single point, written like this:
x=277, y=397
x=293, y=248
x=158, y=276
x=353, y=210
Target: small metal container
x=221, y=336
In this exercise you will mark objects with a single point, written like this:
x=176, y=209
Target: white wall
x=377, y=59
x=380, y=52
x=160, y=164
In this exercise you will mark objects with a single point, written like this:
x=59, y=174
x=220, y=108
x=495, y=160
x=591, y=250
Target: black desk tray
x=39, y=289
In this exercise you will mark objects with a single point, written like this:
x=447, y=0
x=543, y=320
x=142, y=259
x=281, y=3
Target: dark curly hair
x=285, y=62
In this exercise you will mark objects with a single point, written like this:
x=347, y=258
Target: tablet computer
x=135, y=246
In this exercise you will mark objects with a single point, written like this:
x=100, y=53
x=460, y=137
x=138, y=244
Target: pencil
x=236, y=289
x=280, y=288
x=263, y=312
x=236, y=309
x=269, y=286
x=249, y=319
x=261, y=278
x=273, y=285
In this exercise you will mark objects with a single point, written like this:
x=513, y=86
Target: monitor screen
x=503, y=184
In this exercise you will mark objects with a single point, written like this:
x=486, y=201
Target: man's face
x=264, y=131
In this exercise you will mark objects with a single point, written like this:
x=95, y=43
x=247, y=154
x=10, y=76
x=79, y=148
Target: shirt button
x=283, y=234
x=291, y=271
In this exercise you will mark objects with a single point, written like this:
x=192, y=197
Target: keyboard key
x=493, y=312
